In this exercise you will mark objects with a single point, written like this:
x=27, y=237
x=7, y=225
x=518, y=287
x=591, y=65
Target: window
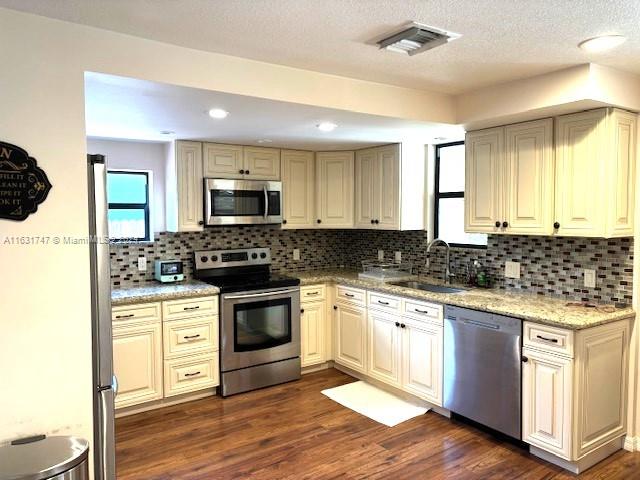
x=128, y=197
x=449, y=198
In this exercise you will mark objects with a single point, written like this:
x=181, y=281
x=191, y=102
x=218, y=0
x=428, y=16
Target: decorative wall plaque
x=23, y=185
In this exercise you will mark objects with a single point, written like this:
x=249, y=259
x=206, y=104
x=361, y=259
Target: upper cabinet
x=298, y=189
x=184, y=186
x=334, y=189
x=521, y=180
x=595, y=172
x=234, y=161
x=390, y=187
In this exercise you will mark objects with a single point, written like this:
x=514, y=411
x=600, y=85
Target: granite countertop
x=157, y=292
x=536, y=308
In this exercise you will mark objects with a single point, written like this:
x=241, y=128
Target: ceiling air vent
x=415, y=38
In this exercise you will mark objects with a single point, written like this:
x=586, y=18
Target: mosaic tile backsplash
x=549, y=265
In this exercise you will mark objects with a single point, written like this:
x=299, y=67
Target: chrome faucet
x=447, y=273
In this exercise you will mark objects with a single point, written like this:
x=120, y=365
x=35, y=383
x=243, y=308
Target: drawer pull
x=552, y=340
x=191, y=308
x=421, y=311
x=350, y=295
x=191, y=337
x=192, y=374
x=310, y=294
x=125, y=316
x=383, y=303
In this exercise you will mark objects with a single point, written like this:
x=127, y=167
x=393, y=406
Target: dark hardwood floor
x=292, y=431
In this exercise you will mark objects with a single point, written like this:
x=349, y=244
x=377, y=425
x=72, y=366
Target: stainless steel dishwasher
x=482, y=368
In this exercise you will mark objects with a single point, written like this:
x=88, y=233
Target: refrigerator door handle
x=114, y=386
x=107, y=433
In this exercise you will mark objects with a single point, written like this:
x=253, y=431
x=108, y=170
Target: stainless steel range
x=259, y=318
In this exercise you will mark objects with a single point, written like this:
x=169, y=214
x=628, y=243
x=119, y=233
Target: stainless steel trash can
x=56, y=458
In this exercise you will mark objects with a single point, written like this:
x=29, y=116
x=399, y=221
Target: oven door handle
x=266, y=202
x=255, y=295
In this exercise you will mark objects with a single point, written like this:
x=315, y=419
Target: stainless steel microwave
x=242, y=202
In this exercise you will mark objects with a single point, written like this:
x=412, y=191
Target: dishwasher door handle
x=476, y=323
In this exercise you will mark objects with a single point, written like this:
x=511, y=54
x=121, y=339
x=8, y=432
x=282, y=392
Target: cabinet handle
x=497, y=224
x=302, y=310
x=284, y=222
x=125, y=316
x=242, y=172
x=556, y=225
x=350, y=295
x=247, y=172
x=383, y=303
x=505, y=224
x=192, y=374
x=372, y=221
x=318, y=221
x=310, y=294
x=191, y=337
x=335, y=307
x=525, y=359
x=377, y=222
x=201, y=222
x=397, y=324
x=421, y=311
x=546, y=339
x=186, y=309
x=402, y=325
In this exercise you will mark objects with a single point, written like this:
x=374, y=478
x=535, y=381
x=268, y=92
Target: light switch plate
x=142, y=264
x=381, y=255
x=296, y=254
x=512, y=269
x=589, y=278
x=398, y=257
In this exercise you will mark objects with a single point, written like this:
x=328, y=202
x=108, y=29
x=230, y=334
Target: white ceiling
x=502, y=39
x=126, y=108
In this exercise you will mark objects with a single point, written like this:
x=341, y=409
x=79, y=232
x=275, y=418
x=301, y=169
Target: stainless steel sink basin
x=428, y=287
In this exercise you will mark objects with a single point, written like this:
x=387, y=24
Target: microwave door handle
x=266, y=202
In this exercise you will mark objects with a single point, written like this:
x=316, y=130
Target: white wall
x=138, y=156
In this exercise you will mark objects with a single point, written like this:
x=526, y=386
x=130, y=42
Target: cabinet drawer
x=551, y=339
x=190, y=374
x=384, y=302
x=190, y=336
x=312, y=293
x=143, y=312
x=429, y=312
x=350, y=295
x=189, y=307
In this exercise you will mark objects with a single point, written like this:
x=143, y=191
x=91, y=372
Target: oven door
x=244, y=202
x=259, y=327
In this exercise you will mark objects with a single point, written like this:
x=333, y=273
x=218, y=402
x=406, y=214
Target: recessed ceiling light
x=327, y=126
x=218, y=113
x=600, y=44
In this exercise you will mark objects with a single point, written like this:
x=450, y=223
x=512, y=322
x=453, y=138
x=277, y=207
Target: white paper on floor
x=372, y=402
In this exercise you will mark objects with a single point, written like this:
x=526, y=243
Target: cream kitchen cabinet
x=595, y=173
x=574, y=392
x=509, y=179
x=137, y=362
x=422, y=358
x=350, y=324
x=385, y=347
x=184, y=180
x=298, y=189
x=334, y=189
x=312, y=332
x=240, y=162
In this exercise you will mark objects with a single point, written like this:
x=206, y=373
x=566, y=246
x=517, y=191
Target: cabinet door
x=529, y=177
x=298, y=180
x=190, y=186
x=484, y=171
x=366, y=177
x=422, y=361
x=312, y=329
x=334, y=191
x=223, y=161
x=384, y=347
x=623, y=128
x=350, y=337
x=262, y=163
x=546, y=402
x=387, y=191
x=137, y=363
x=580, y=172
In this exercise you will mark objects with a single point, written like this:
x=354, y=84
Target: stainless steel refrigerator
x=104, y=382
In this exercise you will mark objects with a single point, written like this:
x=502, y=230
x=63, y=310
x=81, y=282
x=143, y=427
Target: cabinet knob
x=284, y=222
x=377, y=222
x=505, y=224
x=335, y=307
x=302, y=310
x=525, y=359
x=242, y=172
x=201, y=222
x=556, y=225
x=402, y=325
x=397, y=324
x=373, y=221
x=247, y=172
x=318, y=221
x=497, y=224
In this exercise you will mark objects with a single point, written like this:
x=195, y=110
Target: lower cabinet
x=351, y=336
x=191, y=373
x=385, y=348
x=312, y=333
x=422, y=360
x=137, y=363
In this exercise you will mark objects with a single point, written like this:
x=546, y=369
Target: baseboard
x=165, y=402
x=585, y=462
x=317, y=368
x=631, y=443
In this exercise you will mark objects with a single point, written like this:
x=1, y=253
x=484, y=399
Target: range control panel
x=231, y=258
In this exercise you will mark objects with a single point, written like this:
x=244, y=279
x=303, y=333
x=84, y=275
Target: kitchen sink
x=428, y=287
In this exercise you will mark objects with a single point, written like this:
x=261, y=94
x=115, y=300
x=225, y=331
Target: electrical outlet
x=296, y=254
x=512, y=269
x=142, y=264
x=589, y=278
x=380, y=255
x=398, y=257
